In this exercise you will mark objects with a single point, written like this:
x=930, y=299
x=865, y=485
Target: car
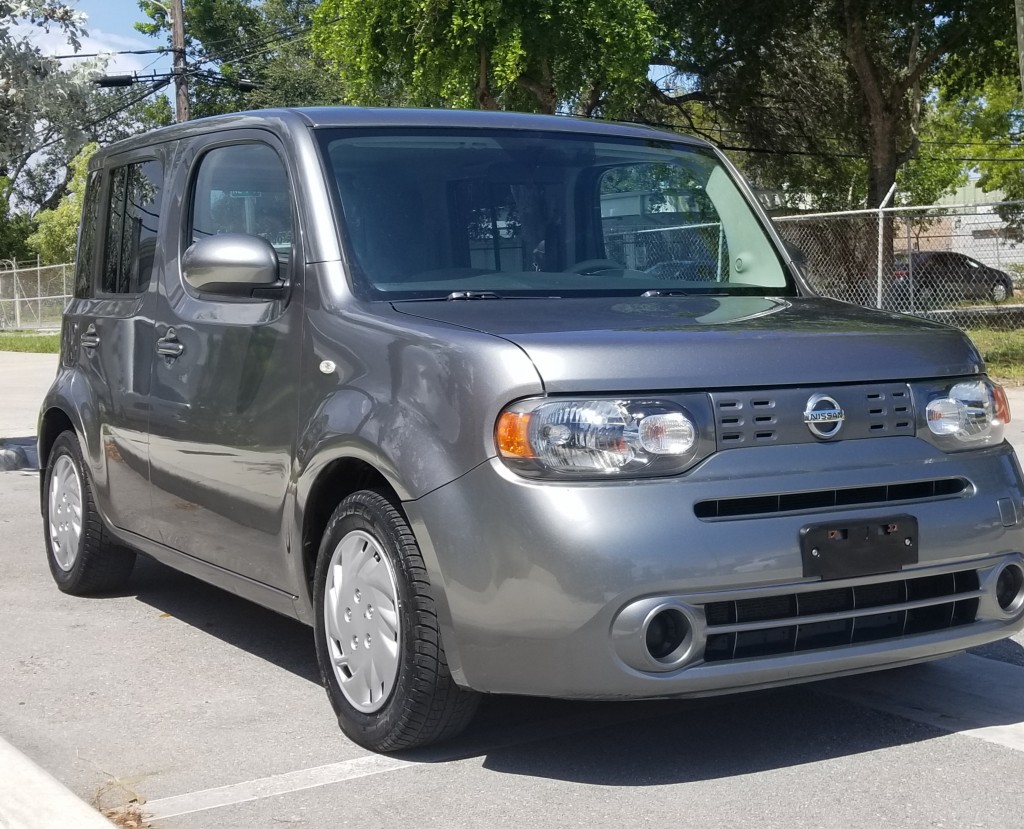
x=453, y=389
x=937, y=277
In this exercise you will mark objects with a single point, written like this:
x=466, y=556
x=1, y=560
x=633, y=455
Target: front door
x=223, y=419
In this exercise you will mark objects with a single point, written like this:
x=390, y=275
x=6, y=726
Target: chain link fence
x=962, y=265
x=33, y=296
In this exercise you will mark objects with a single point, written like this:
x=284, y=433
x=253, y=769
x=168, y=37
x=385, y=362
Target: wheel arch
x=335, y=481
x=52, y=423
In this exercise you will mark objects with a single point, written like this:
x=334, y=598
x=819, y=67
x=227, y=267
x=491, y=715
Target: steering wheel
x=590, y=267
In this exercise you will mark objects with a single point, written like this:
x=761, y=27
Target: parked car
x=400, y=375
x=937, y=277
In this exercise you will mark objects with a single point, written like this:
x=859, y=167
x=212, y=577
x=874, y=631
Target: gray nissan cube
x=512, y=404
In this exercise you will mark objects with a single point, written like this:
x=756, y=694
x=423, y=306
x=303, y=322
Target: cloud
x=54, y=42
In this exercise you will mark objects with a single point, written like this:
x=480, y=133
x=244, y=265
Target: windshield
x=436, y=214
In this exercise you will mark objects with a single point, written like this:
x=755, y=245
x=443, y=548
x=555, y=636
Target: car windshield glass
x=435, y=214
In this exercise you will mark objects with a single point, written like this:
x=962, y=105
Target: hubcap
x=65, y=516
x=998, y=292
x=362, y=621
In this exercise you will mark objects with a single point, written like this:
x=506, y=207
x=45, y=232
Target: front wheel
x=999, y=292
x=377, y=638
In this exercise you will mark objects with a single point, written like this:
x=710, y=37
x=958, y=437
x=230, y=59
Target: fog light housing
x=1010, y=588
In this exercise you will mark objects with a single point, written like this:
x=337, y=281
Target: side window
x=243, y=188
x=134, y=216
x=87, y=237
x=657, y=218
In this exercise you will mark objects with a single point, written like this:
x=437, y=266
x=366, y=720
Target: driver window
x=243, y=188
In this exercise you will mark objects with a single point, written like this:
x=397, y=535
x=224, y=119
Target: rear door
x=224, y=384
x=109, y=330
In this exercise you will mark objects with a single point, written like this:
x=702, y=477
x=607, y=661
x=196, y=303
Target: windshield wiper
x=472, y=295
x=660, y=292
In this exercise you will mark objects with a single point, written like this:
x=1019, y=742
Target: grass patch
x=33, y=341
x=1003, y=352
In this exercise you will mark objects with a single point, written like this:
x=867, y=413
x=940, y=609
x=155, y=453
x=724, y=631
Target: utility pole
x=1019, y=5
x=178, y=47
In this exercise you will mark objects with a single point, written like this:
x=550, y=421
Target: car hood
x=700, y=342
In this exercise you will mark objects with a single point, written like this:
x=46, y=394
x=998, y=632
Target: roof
x=347, y=116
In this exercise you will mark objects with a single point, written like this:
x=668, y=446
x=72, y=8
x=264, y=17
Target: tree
x=587, y=56
x=15, y=228
x=255, y=54
x=57, y=231
x=39, y=101
x=854, y=71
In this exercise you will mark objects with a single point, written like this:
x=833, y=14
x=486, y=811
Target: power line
x=105, y=54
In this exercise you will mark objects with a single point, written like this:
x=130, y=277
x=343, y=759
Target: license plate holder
x=846, y=549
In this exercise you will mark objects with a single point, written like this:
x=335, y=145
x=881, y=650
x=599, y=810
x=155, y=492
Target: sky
x=110, y=27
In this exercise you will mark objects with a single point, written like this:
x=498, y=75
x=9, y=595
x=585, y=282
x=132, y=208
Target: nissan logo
x=823, y=416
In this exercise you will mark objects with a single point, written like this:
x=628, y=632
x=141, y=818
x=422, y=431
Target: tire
x=377, y=638
x=83, y=557
x=999, y=292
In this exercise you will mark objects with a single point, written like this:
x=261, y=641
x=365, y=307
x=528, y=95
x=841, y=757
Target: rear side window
x=87, y=237
x=133, y=220
x=243, y=188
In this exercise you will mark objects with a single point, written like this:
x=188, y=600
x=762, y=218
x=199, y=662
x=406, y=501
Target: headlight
x=971, y=413
x=599, y=438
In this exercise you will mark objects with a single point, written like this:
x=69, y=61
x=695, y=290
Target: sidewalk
x=33, y=799
x=25, y=379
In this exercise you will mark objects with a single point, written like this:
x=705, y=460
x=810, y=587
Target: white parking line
x=270, y=786
x=968, y=695
x=367, y=765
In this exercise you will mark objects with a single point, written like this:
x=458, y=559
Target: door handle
x=89, y=338
x=169, y=346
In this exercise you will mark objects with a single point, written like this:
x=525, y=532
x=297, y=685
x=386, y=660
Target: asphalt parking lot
x=208, y=712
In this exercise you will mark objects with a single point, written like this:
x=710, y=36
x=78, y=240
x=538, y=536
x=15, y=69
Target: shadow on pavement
x=671, y=741
x=236, y=621
x=1007, y=651
x=647, y=743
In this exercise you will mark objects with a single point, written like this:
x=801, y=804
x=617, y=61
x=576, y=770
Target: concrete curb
x=30, y=798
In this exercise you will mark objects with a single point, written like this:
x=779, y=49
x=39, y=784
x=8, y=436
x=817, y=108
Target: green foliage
x=588, y=56
x=15, y=228
x=30, y=342
x=57, y=232
x=243, y=42
x=1003, y=352
x=991, y=124
x=832, y=94
x=938, y=170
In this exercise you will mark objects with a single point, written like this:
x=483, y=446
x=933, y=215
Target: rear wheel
x=999, y=292
x=377, y=638
x=83, y=558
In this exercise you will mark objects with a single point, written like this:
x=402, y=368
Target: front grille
x=827, y=499
x=838, y=617
x=775, y=417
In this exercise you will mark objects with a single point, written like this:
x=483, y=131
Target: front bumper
x=539, y=585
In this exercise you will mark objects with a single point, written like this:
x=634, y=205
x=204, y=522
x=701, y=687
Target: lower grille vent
x=794, y=622
x=824, y=499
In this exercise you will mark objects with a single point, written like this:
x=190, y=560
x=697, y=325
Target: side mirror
x=232, y=264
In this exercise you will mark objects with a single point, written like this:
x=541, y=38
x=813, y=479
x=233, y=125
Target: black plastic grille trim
x=824, y=499
x=839, y=617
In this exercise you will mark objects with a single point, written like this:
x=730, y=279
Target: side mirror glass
x=231, y=264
